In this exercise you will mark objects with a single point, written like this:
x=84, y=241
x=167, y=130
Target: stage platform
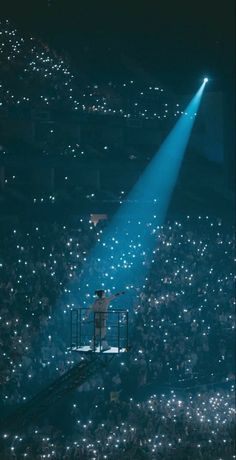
x=87, y=349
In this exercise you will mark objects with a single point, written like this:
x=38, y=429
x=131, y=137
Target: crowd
x=166, y=426
x=32, y=75
x=45, y=80
x=37, y=84
x=189, y=304
x=181, y=334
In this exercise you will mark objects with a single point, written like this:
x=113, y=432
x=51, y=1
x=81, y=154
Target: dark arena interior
x=117, y=230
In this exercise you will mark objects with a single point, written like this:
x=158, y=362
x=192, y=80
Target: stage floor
x=86, y=349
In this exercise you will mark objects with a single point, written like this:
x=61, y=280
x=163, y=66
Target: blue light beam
x=158, y=180
x=122, y=256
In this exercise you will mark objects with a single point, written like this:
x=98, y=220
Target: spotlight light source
x=205, y=80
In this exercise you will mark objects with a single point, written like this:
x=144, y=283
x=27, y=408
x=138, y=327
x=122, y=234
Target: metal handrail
x=100, y=330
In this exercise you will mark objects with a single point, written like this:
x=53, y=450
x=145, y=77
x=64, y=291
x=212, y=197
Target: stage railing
x=99, y=329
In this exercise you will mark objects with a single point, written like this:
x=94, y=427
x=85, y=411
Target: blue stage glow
x=124, y=252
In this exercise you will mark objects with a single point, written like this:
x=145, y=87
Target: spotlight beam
x=160, y=176
x=148, y=202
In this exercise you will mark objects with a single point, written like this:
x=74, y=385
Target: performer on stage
x=99, y=307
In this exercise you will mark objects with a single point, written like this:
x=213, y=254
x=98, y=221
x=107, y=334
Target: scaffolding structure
x=96, y=359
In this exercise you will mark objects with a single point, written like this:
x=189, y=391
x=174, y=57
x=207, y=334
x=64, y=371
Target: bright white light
x=205, y=80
